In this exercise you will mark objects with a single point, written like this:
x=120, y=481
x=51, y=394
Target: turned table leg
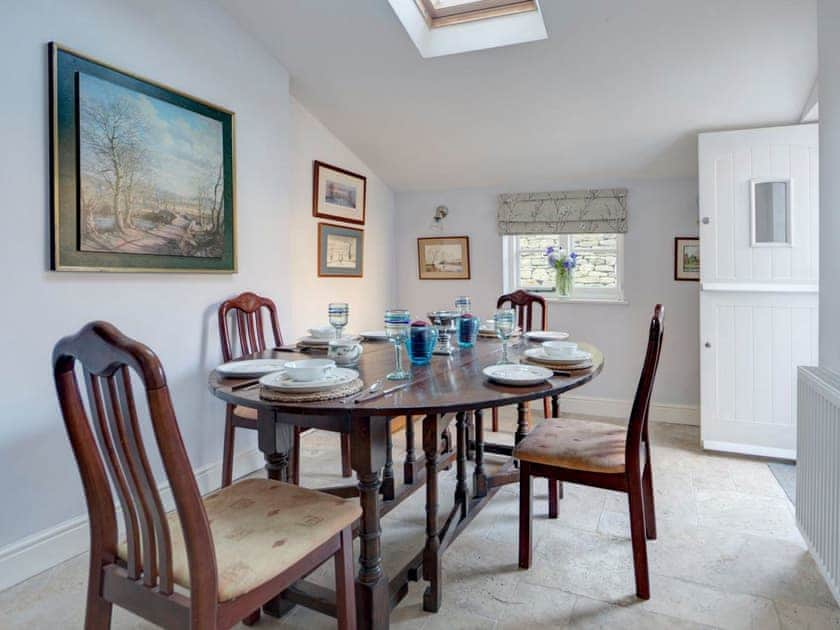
x=388, y=484
x=479, y=476
x=462, y=495
x=275, y=441
x=411, y=464
x=368, y=446
x=432, y=427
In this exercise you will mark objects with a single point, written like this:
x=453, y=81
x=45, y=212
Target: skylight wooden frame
x=437, y=17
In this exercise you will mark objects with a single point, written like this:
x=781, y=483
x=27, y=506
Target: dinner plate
x=517, y=374
x=320, y=342
x=336, y=378
x=546, y=335
x=374, y=335
x=539, y=354
x=250, y=368
x=491, y=332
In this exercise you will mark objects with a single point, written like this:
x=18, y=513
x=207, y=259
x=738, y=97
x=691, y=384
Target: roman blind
x=601, y=211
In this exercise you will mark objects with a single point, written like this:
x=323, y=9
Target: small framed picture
x=340, y=251
x=687, y=258
x=444, y=258
x=338, y=194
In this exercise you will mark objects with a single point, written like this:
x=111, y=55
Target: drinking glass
x=505, y=323
x=397, y=323
x=338, y=312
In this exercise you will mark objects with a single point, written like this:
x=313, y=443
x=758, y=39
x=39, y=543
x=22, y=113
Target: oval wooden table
x=449, y=384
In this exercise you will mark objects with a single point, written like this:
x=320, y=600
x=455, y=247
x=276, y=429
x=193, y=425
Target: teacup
x=322, y=332
x=344, y=351
x=560, y=349
x=309, y=369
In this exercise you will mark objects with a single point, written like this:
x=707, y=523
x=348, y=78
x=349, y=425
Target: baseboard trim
x=42, y=550
x=613, y=408
x=750, y=449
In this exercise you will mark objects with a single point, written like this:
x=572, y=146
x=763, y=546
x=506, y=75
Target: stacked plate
x=546, y=335
x=250, y=368
x=488, y=329
x=577, y=360
x=336, y=378
x=321, y=343
x=517, y=374
x=373, y=335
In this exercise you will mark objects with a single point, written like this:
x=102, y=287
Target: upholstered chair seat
x=261, y=527
x=576, y=445
x=248, y=413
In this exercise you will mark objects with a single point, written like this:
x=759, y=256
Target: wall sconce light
x=441, y=212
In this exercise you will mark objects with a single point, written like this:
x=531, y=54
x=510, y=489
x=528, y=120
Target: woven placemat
x=274, y=395
x=578, y=367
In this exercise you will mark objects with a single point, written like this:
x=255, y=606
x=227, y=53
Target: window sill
x=585, y=300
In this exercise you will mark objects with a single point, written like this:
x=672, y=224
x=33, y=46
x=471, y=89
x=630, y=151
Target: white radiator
x=818, y=469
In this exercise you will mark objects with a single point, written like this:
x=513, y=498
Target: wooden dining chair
x=523, y=303
x=250, y=310
x=601, y=455
x=232, y=551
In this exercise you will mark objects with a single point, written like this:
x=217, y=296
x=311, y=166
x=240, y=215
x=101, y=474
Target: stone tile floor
x=728, y=555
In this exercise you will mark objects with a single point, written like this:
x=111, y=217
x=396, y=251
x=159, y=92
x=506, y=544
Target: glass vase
x=563, y=282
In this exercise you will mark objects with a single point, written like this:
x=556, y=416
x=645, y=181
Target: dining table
x=449, y=387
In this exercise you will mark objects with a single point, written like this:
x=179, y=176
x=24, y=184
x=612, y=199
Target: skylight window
x=469, y=24
x=439, y=13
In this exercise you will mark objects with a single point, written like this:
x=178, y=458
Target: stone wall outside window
x=597, y=260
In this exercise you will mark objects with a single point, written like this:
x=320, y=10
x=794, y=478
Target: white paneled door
x=758, y=304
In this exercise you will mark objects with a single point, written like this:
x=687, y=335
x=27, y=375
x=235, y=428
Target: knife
x=384, y=392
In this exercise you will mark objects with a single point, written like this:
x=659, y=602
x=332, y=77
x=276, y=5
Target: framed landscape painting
x=340, y=251
x=687, y=258
x=444, y=258
x=338, y=194
x=142, y=175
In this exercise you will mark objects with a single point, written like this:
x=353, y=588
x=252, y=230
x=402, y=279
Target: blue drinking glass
x=421, y=342
x=467, y=330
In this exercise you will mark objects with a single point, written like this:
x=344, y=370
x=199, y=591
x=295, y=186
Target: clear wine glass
x=339, y=313
x=505, y=322
x=397, y=324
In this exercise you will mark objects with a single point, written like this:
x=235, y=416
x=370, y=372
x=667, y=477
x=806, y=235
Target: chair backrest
x=523, y=303
x=248, y=311
x=109, y=439
x=637, y=428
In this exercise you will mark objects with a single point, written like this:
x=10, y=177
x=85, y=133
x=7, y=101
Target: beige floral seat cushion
x=576, y=444
x=260, y=527
x=248, y=413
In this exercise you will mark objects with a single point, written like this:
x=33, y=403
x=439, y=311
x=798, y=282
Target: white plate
x=517, y=374
x=546, y=335
x=250, y=368
x=374, y=335
x=539, y=354
x=336, y=378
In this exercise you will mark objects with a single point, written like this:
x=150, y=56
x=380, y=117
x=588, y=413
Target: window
x=598, y=274
x=448, y=12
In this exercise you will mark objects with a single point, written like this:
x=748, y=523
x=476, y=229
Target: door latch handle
x=705, y=220
x=708, y=344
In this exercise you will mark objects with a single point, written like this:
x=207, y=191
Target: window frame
x=470, y=11
x=510, y=275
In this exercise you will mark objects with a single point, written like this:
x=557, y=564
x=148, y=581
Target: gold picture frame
x=443, y=258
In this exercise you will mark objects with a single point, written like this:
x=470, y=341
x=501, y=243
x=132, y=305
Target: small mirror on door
x=771, y=212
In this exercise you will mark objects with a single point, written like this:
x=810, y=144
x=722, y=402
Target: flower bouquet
x=564, y=267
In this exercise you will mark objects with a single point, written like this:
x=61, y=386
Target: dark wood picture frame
x=65, y=71
x=679, y=273
x=427, y=274
x=323, y=269
x=322, y=212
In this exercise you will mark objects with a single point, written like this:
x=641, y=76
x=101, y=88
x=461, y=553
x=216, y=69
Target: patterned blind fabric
x=572, y=212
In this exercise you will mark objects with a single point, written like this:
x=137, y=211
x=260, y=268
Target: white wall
x=368, y=296
x=658, y=211
x=195, y=47
x=829, y=88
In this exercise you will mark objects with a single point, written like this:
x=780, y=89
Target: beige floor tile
x=741, y=512
x=799, y=617
x=590, y=614
x=537, y=607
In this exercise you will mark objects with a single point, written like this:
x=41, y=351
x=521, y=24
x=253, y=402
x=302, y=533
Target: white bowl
x=309, y=369
x=560, y=349
x=322, y=332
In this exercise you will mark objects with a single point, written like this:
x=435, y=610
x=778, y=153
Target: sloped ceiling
x=620, y=88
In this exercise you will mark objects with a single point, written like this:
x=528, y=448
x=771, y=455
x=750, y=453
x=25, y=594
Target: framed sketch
x=340, y=251
x=142, y=175
x=338, y=194
x=687, y=258
x=444, y=258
